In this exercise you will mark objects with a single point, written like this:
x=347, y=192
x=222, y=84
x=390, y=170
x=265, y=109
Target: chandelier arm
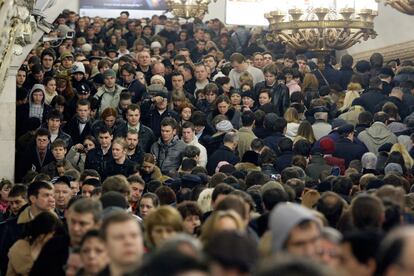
x=356, y=37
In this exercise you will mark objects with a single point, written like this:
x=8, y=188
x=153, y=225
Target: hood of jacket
x=378, y=133
x=37, y=87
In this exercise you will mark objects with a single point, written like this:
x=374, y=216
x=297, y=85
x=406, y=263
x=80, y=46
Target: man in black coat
x=346, y=147
x=226, y=152
x=145, y=134
x=346, y=72
x=36, y=157
x=285, y=157
x=98, y=158
x=372, y=96
x=83, y=215
x=277, y=126
x=80, y=125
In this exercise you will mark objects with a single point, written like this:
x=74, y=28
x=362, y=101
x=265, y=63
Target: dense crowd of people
x=149, y=147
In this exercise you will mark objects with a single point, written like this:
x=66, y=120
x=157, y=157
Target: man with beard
x=135, y=153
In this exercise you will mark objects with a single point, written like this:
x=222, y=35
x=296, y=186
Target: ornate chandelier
x=321, y=26
x=405, y=6
x=188, y=8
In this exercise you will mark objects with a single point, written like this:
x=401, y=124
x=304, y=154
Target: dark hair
x=166, y=195
x=364, y=245
x=169, y=121
x=199, y=118
x=35, y=187
x=155, y=199
x=256, y=178
x=221, y=189
x=189, y=208
x=248, y=118
x=257, y=144
x=331, y=206
x=342, y=185
x=285, y=144
x=87, y=205
x=90, y=235
x=272, y=197
x=365, y=117
x=43, y=224
x=367, y=211
x=54, y=114
x=42, y=132
x=18, y=190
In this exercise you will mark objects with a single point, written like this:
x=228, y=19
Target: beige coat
x=20, y=259
x=246, y=136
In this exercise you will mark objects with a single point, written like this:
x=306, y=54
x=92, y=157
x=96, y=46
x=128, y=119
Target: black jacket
x=72, y=128
x=137, y=90
x=96, y=160
x=22, y=116
x=345, y=75
x=153, y=118
x=145, y=136
x=370, y=99
x=112, y=168
x=348, y=150
x=283, y=161
x=272, y=140
x=222, y=154
x=29, y=160
x=52, y=258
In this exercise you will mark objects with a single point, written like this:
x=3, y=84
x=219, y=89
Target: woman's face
x=118, y=152
x=235, y=99
x=147, y=167
x=264, y=98
x=223, y=107
x=145, y=206
x=94, y=256
x=51, y=86
x=5, y=190
x=186, y=114
x=226, y=87
x=211, y=97
x=190, y=223
x=161, y=233
x=61, y=85
x=247, y=101
x=183, y=36
x=110, y=121
x=88, y=145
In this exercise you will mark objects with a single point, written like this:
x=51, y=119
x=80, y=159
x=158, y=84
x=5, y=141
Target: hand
x=78, y=147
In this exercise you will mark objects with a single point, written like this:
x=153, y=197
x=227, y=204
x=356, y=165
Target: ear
x=32, y=198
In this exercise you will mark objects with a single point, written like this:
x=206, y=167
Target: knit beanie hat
x=224, y=126
x=369, y=161
x=327, y=145
x=159, y=78
x=109, y=73
x=393, y=168
x=283, y=218
x=78, y=67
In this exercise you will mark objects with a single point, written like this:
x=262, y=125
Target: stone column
x=8, y=125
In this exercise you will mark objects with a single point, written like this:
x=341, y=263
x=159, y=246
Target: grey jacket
x=168, y=156
x=107, y=98
x=376, y=136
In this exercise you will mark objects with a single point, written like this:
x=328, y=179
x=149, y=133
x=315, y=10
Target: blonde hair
x=164, y=216
x=210, y=227
x=291, y=115
x=408, y=161
x=310, y=198
x=122, y=142
x=350, y=96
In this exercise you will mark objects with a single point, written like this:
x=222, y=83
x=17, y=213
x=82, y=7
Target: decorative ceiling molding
x=403, y=51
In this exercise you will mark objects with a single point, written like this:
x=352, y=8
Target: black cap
x=93, y=182
x=161, y=94
x=387, y=71
x=190, y=181
x=62, y=180
x=83, y=90
x=346, y=129
x=247, y=93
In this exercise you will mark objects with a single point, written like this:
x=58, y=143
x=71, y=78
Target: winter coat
x=348, y=150
x=376, y=136
x=95, y=159
x=72, y=128
x=202, y=160
x=155, y=175
x=272, y=141
x=108, y=98
x=321, y=129
x=283, y=161
x=246, y=136
x=30, y=160
x=280, y=98
x=316, y=166
x=169, y=155
x=77, y=159
x=125, y=169
x=20, y=259
x=145, y=136
x=223, y=153
x=370, y=99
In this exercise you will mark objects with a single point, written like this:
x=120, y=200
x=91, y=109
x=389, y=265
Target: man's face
x=67, y=62
x=258, y=61
x=211, y=63
x=42, y=142
x=74, y=186
x=78, y=225
x=144, y=58
x=39, y=76
x=158, y=69
x=200, y=73
x=126, y=76
x=304, y=241
x=110, y=82
x=177, y=82
x=132, y=140
x=162, y=105
x=47, y=62
x=267, y=59
x=167, y=133
x=187, y=135
x=136, y=191
x=21, y=77
x=44, y=201
x=53, y=124
x=123, y=104
x=87, y=190
x=145, y=206
x=94, y=255
x=59, y=153
x=110, y=121
x=105, y=139
x=118, y=151
x=63, y=194
x=16, y=203
x=124, y=243
x=201, y=45
x=238, y=67
x=83, y=111
x=289, y=62
x=185, y=53
x=133, y=117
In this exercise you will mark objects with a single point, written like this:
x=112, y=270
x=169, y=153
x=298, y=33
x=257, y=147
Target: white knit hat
x=159, y=78
x=156, y=44
x=224, y=126
x=78, y=67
